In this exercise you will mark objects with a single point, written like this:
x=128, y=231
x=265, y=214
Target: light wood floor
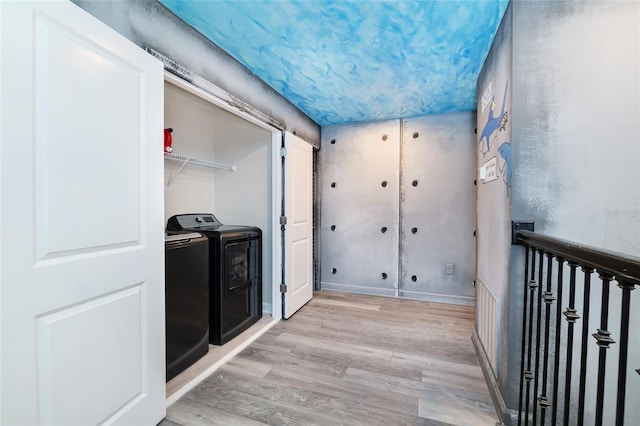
x=348, y=359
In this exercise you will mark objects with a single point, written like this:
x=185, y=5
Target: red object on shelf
x=167, y=140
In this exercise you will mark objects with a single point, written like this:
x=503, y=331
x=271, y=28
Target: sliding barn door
x=82, y=255
x=298, y=257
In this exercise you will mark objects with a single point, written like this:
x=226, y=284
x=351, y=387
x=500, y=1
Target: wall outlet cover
x=448, y=268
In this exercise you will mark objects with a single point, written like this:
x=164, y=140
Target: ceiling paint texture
x=356, y=61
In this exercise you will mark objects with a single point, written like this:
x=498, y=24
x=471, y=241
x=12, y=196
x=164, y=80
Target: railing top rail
x=619, y=265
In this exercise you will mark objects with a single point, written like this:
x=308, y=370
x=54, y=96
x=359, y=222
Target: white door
x=298, y=248
x=81, y=221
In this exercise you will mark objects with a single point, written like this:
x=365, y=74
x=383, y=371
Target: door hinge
x=283, y=220
x=283, y=288
x=283, y=152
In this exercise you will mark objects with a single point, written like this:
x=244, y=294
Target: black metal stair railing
x=548, y=333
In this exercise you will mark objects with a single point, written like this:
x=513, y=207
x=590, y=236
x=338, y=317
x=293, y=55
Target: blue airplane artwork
x=505, y=152
x=493, y=122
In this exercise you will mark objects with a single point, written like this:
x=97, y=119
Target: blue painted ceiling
x=353, y=61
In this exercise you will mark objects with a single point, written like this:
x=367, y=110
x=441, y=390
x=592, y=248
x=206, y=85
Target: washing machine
x=235, y=273
x=186, y=300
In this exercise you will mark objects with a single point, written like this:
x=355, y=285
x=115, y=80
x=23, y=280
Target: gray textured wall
x=494, y=195
x=438, y=153
x=152, y=26
x=441, y=207
x=576, y=118
x=576, y=159
x=362, y=156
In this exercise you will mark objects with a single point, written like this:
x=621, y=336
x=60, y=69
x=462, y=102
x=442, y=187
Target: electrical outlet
x=448, y=268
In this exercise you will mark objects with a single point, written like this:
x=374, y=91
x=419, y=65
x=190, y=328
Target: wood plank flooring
x=215, y=355
x=347, y=359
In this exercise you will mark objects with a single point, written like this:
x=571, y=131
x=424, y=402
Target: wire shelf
x=195, y=161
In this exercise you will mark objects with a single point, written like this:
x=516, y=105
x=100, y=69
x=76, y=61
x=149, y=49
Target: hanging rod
x=195, y=161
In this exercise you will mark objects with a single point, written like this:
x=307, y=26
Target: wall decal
x=505, y=152
x=488, y=171
x=493, y=122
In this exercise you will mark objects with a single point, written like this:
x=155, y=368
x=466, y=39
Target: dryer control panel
x=191, y=221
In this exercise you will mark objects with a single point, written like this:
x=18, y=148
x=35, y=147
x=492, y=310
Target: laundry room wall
x=398, y=208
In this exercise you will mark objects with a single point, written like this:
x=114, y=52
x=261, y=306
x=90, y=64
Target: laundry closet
x=220, y=164
x=247, y=187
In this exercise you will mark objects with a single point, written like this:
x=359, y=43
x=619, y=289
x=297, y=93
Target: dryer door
x=242, y=263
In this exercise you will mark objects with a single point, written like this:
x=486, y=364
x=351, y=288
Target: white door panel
x=299, y=228
x=101, y=150
x=82, y=261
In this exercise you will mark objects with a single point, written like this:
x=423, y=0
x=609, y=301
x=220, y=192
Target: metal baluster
x=529, y=375
x=571, y=315
x=524, y=330
x=548, y=300
x=538, y=315
x=556, y=360
x=583, y=348
x=603, y=339
x=626, y=287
